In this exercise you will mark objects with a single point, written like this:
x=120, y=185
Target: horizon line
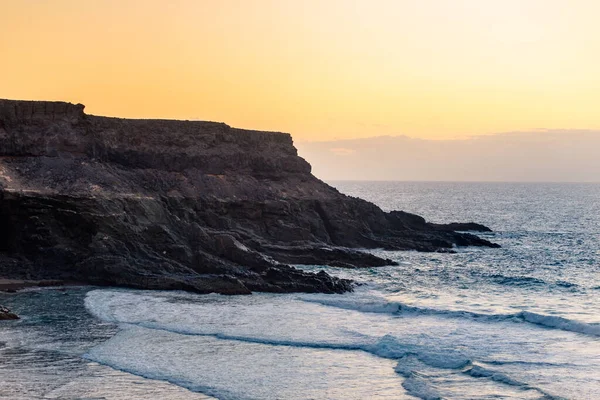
x=457, y=138
x=456, y=181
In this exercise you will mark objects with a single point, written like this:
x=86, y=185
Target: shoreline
x=14, y=285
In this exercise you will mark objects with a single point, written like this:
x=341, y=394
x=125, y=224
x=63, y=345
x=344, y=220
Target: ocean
x=520, y=322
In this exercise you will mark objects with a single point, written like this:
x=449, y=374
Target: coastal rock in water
x=463, y=227
x=200, y=206
x=5, y=314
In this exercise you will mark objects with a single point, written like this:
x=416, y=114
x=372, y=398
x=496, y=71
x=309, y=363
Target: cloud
x=535, y=156
x=342, y=151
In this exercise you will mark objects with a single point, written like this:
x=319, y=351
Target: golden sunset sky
x=320, y=69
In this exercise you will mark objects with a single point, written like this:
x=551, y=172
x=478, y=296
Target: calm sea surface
x=520, y=322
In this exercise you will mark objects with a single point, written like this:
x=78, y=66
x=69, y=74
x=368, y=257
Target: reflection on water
x=40, y=355
x=522, y=321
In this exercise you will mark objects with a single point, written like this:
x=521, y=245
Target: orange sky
x=320, y=69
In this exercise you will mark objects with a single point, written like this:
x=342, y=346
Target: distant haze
x=540, y=156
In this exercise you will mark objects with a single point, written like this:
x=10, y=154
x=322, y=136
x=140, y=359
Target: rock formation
x=163, y=204
x=5, y=313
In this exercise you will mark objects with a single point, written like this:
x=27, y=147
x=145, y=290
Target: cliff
x=163, y=204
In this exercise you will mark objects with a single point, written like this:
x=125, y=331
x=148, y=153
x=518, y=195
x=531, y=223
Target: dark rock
x=332, y=256
x=197, y=206
x=463, y=227
x=5, y=314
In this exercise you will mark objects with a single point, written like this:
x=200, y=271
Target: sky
x=536, y=156
x=320, y=69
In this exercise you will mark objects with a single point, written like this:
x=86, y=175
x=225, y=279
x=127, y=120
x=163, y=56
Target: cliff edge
x=164, y=204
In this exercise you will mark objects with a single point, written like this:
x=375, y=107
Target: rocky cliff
x=165, y=204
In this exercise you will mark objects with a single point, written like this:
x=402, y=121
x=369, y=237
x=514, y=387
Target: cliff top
x=25, y=111
x=60, y=129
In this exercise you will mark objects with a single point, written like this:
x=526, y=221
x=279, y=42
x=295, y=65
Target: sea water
x=521, y=321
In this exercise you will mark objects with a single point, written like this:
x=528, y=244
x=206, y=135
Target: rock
x=332, y=256
x=463, y=227
x=6, y=314
x=196, y=206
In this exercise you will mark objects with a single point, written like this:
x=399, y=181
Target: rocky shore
x=6, y=314
x=199, y=206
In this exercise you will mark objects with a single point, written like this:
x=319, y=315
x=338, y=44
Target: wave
x=524, y=281
x=420, y=385
x=566, y=284
x=389, y=347
x=561, y=323
x=104, y=354
x=386, y=347
x=530, y=363
x=385, y=307
x=477, y=371
x=500, y=279
x=411, y=359
x=419, y=363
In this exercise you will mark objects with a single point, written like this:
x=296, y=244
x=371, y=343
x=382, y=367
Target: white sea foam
x=387, y=307
x=437, y=345
x=240, y=370
x=478, y=371
x=518, y=322
x=555, y=322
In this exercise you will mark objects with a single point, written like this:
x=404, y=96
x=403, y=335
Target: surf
x=398, y=308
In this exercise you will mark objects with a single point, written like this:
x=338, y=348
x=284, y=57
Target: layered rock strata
x=200, y=206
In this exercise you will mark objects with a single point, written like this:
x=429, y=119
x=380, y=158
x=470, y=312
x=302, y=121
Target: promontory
x=165, y=204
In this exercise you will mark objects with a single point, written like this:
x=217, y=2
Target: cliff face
x=179, y=205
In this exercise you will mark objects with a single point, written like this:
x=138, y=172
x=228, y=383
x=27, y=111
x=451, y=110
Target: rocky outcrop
x=164, y=204
x=416, y=223
x=5, y=314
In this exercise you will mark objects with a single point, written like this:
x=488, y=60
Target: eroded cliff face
x=180, y=205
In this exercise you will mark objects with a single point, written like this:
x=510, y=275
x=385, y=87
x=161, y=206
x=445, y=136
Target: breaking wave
x=546, y=321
